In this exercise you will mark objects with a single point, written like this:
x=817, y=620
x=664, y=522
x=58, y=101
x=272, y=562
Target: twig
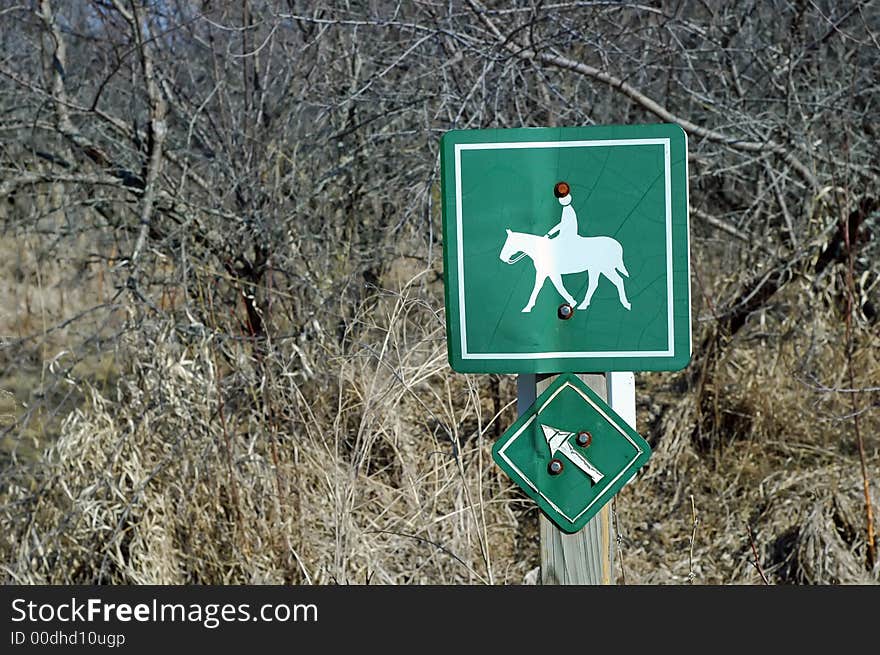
x=849, y=345
x=436, y=545
x=757, y=562
x=640, y=98
x=725, y=227
x=691, y=574
x=157, y=133
x=619, y=539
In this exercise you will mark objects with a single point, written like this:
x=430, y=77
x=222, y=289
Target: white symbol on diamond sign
x=558, y=442
x=604, y=449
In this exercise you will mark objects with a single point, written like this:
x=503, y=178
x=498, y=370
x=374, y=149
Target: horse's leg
x=618, y=282
x=591, y=289
x=539, y=282
x=556, y=279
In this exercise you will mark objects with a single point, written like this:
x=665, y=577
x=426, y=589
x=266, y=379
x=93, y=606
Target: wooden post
x=586, y=557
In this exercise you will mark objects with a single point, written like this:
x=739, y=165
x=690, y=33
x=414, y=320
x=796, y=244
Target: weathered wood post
x=586, y=557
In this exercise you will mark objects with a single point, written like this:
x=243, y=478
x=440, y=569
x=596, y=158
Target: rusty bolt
x=565, y=311
x=584, y=439
x=561, y=189
x=554, y=467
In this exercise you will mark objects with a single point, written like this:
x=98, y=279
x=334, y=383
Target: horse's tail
x=620, y=267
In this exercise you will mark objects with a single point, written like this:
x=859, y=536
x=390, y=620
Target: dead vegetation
x=222, y=343
x=366, y=465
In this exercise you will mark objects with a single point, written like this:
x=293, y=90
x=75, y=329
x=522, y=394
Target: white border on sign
x=533, y=418
x=670, y=350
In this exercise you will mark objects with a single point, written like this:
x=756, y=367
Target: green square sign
x=570, y=452
x=589, y=224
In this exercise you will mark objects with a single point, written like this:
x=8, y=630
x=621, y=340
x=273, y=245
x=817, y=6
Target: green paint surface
x=628, y=183
x=571, y=498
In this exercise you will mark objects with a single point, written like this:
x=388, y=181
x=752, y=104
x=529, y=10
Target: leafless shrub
x=221, y=327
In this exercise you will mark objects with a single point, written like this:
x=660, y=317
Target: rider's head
x=562, y=191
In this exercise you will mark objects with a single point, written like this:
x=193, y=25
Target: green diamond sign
x=570, y=452
x=566, y=249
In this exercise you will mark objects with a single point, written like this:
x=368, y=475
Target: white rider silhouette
x=567, y=253
x=567, y=227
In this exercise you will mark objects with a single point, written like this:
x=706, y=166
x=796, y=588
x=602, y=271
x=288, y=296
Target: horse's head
x=509, y=248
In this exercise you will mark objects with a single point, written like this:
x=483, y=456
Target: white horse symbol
x=554, y=258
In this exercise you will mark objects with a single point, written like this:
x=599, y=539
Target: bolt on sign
x=570, y=452
x=566, y=249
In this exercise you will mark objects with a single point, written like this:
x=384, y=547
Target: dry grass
x=767, y=448
x=222, y=355
x=358, y=457
x=364, y=464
